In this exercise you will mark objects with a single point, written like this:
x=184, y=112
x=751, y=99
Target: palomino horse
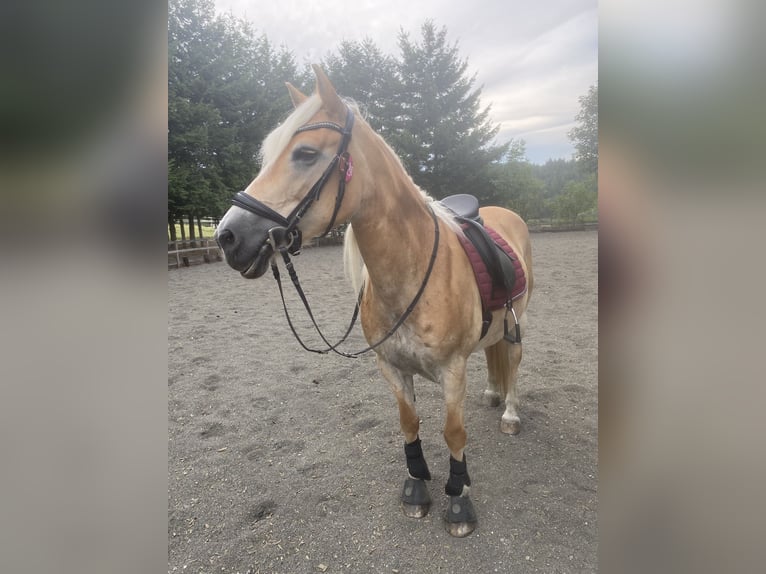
x=420, y=305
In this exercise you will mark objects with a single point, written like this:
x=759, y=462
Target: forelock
x=276, y=142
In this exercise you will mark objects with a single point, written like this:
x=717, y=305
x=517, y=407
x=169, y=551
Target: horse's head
x=301, y=189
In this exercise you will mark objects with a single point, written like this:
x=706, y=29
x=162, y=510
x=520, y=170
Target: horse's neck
x=394, y=231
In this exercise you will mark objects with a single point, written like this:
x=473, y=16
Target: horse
x=419, y=303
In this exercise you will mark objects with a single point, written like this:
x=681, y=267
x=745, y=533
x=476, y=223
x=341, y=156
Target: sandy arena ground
x=285, y=461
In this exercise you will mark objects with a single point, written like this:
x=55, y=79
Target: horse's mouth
x=260, y=263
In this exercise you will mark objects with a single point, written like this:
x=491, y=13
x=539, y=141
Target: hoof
x=416, y=502
x=461, y=529
x=415, y=510
x=491, y=398
x=460, y=517
x=510, y=425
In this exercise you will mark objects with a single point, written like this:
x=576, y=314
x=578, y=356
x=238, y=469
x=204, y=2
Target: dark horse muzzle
x=244, y=239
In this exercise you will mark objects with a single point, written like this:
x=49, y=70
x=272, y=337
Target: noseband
x=285, y=235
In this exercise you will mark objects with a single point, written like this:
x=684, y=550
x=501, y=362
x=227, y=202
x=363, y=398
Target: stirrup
x=506, y=334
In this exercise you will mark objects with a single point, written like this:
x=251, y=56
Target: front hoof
x=510, y=425
x=461, y=516
x=416, y=502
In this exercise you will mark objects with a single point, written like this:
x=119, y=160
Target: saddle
x=498, y=271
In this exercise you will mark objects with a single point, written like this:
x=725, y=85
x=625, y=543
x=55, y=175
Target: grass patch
x=208, y=231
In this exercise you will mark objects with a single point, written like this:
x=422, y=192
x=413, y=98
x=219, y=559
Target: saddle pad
x=494, y=297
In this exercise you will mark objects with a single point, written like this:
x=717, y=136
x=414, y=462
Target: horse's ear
x=327, y=93
x=296, y=95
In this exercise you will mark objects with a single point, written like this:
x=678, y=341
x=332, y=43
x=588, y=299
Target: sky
x=533, y=60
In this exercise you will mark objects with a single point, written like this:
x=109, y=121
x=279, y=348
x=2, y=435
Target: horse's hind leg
x=511, y=423
x=492, y=396
x=416, y=501
x=503, y=361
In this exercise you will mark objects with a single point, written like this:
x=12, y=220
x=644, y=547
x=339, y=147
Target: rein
x=334, y=348
x=286, y=239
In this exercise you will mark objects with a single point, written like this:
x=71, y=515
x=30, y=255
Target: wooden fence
x=538, y=227
x=185, y=253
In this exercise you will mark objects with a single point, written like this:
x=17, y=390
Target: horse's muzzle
x=245, y=241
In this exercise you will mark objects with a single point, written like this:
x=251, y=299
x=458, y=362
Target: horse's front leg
x=461, y=516
x=416, y=501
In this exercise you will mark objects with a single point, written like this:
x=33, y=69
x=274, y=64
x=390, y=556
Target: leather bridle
x=286, y=235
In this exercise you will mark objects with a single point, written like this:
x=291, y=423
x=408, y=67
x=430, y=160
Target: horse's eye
x=305, y=155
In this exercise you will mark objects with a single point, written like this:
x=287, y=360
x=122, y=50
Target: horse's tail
x=356, y=270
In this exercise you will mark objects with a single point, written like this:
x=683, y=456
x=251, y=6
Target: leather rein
x=286, y=238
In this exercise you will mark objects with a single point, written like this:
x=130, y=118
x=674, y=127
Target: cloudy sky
x=533, y=59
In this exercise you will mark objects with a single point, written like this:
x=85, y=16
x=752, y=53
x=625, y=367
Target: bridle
x=286, y=235
x=286, y=238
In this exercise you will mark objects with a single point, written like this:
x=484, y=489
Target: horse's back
x=513, y=229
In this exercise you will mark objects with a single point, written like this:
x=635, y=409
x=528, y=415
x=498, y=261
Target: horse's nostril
x=225, y=237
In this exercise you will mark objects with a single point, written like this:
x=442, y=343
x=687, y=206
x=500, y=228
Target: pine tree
x=442, y=134
x=363, y=73
x=225, y=93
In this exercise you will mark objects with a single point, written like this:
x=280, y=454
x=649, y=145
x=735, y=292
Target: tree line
x=226, y=92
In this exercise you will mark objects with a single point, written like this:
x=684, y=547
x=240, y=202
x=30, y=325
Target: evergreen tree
x=225, y=93
x=363, y=73
x=190, y=116
x=442, y=135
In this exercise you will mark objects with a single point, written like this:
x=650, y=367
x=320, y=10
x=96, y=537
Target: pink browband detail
x=347, y=166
